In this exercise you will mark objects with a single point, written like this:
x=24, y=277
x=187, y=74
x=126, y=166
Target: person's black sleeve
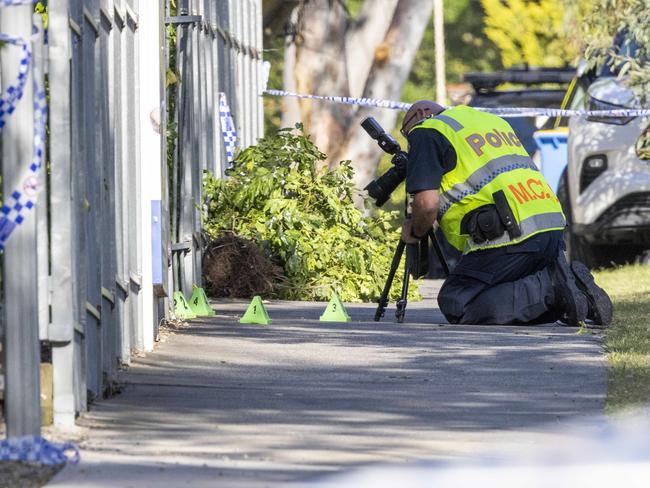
x=430, y=155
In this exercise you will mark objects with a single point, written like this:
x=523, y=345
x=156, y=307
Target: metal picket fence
x=218, y=50
x=120, y=213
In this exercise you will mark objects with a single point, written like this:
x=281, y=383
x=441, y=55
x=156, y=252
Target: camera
x=381, y=188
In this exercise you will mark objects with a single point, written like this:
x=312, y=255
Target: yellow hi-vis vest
x=490, y=158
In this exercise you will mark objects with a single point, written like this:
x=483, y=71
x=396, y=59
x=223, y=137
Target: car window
x=575, y=99
x=579, y=100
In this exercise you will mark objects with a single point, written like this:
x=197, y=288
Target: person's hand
x=406, y=232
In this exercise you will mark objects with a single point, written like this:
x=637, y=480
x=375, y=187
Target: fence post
x=42, y=237
x=89, y=170
x=198, y=162
x=64, y=294
x=233, y=71
x=133, y=174
x=110, y=321
x=259, y=44
x=23, y=414
x=150, y=156
x=165, y=208
x=239, y=92
x=216, y=88
x=126, y=301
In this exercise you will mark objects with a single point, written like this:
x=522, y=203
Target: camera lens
x=381, y=188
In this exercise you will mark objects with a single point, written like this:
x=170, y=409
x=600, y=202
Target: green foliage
x=274, y=53
x=467, y=49
x=353, y=7
x=529, y=31
x=304, y=218
x=464, y=38
x=172, y=85
x=602, y=20
x=467, y=46
x=41, y=8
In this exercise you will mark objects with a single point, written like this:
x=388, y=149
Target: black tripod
x=416, y=264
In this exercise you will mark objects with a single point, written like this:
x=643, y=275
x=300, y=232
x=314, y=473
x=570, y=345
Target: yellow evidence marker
x=199, y=303
x=335, y=311
x=181, y=308
x=256, y=313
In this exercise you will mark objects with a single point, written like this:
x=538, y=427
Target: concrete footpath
x=224, y=404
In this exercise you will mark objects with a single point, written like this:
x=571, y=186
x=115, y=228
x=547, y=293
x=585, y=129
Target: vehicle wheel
x=592, y=255
x=616, y=255
x=577, y=247
x=643, y=257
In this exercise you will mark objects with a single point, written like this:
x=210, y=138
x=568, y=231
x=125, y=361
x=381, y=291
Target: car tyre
x=577, y=247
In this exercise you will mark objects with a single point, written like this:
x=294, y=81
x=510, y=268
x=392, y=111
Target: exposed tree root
x=234, y=267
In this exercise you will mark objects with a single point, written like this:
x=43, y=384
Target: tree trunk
x=363, y=39
x=332, y=56
x=386, y=79
x=320, y=69
x=290, y=106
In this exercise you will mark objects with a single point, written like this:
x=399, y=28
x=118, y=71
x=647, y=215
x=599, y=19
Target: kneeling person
x=469, y=170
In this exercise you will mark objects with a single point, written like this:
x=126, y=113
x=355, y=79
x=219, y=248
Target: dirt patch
x=234, y=267
x=170, y=327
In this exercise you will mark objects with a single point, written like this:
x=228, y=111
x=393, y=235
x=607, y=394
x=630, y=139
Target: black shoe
x=600, y=305
x=569, y=300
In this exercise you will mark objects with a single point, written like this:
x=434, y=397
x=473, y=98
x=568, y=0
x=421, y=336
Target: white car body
x=612, y=208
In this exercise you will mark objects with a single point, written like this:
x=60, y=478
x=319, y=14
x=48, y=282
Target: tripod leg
x=411, y=258
x=438, y=250
x=383, y=299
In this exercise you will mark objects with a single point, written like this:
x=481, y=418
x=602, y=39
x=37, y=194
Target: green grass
x=627, y=341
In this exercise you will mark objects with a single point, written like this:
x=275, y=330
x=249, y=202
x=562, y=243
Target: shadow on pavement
x=301, y=396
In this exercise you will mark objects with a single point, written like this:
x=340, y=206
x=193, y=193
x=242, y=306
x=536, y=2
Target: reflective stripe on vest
x=490, y=158
x=481, y=177
x=454, y=124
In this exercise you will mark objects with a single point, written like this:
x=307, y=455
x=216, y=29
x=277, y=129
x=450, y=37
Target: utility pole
x=23, y=413
x=439, y=39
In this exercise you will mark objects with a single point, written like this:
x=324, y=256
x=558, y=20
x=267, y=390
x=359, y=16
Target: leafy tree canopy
x=532, y=32
x=603, y=20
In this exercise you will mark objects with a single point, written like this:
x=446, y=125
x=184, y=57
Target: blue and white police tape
x=23, y=198
x=14, y=92
x=503, y=112
x=227, y=128
x=364, y=102
x=13, y=3
x=35, y=449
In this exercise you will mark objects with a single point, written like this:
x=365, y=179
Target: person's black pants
x=506, y=285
